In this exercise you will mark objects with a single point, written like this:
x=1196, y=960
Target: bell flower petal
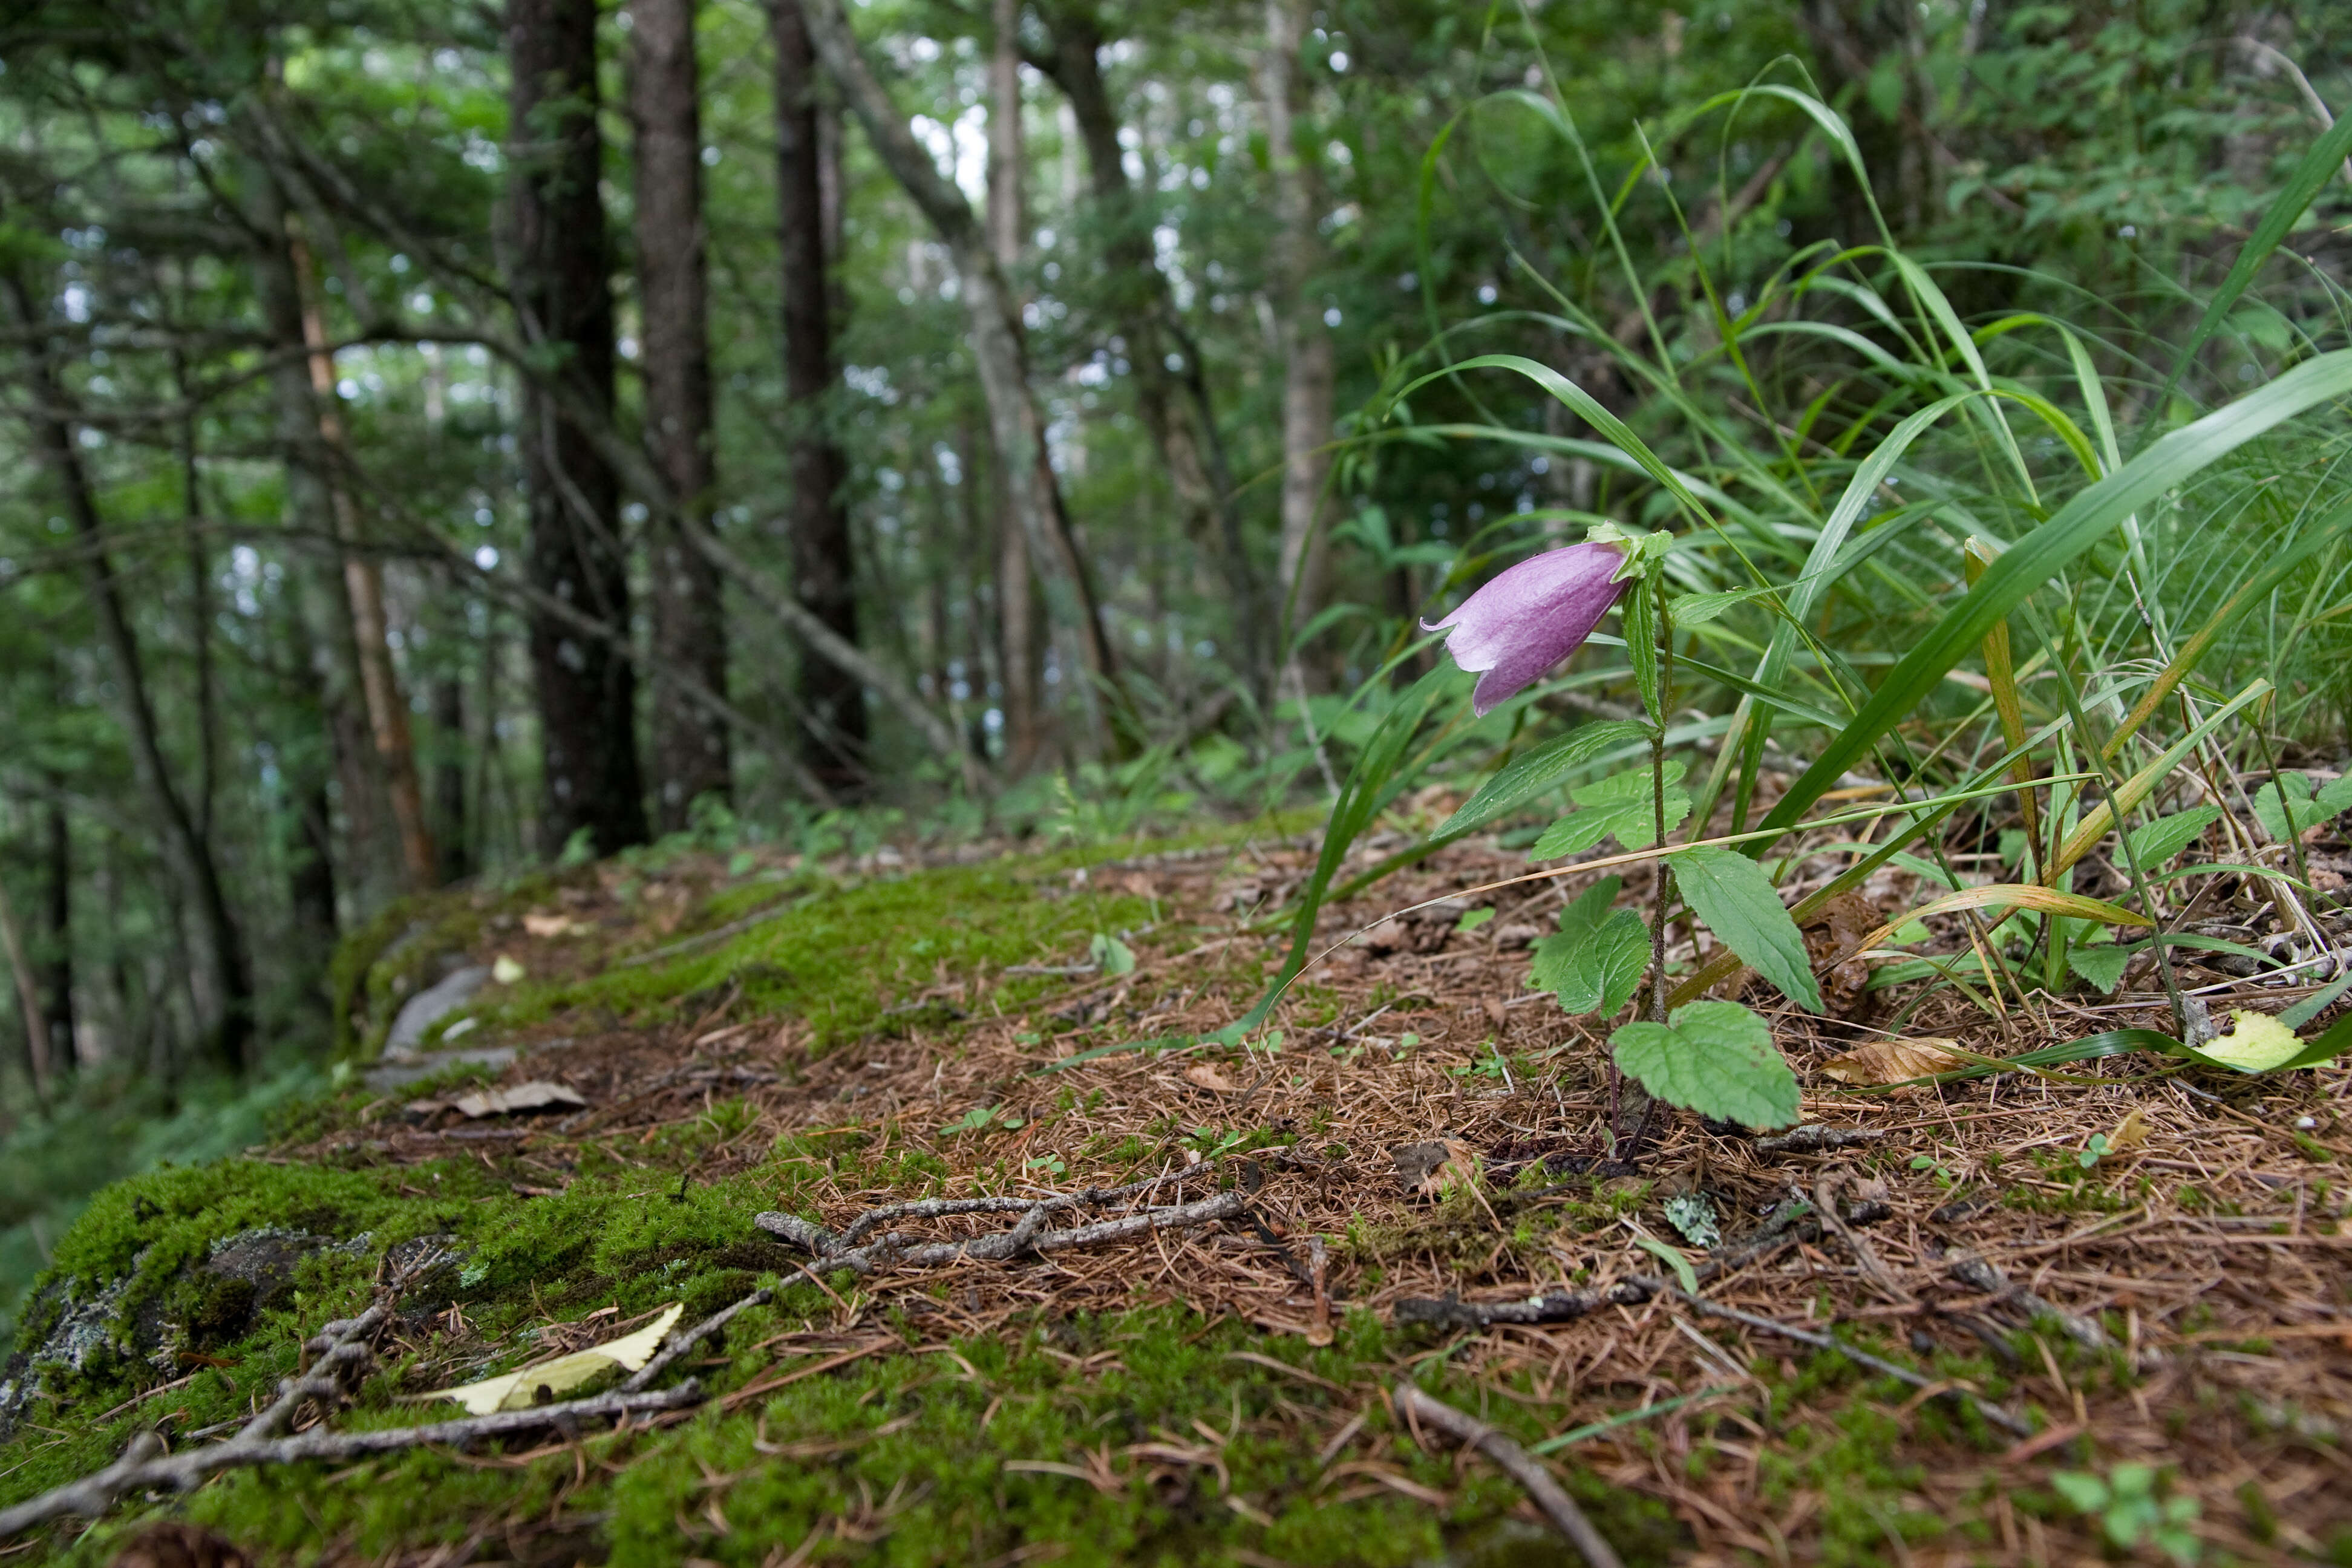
x=1530, y=617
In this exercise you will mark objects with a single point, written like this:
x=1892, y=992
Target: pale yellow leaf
x=530, y=1386
x=506, y=971
x=1205, y=1075
x=1894, y=1062
x=536, y=1095
x=2256, y=1043
x=2131, y=1132
x=548, y=925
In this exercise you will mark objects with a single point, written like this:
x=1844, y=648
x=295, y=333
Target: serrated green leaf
x=1594, y=969
x=1539, y=770
x=1714, y=1058
x=1634, y=822
x=2154, y=844
x=2289, y=796
x=2103, y=966
x=1632, y=784
x=1621, y=804
x=1736, y=900
x=1592, y=907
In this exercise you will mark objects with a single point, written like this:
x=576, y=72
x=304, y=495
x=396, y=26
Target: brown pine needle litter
x=2182, y=1302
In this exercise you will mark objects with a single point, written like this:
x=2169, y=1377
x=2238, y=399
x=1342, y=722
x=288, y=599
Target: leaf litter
x=2213, y=1256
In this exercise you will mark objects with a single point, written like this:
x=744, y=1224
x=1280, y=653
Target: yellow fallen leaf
x=1205, y=1075
x=530, y=1386
x=2256, y=1043
x=506, y=971
x=548, y=925
x=1894, y=1061
x=2131, y=1132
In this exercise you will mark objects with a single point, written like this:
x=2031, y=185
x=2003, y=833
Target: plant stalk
x=1663, y=884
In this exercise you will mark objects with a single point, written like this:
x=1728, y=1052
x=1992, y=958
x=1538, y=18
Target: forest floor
x=2140, y=1353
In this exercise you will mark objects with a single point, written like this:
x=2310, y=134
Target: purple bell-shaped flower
x=1530, y=617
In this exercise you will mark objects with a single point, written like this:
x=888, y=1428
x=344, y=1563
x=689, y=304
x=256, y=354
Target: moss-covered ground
x=822, y=1039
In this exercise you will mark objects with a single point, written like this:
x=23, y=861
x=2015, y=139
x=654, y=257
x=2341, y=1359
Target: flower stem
x=1663, y=884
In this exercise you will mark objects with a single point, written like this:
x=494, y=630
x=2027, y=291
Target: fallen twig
x=1031, y=1233
x=1979, y=1273
x=139, y=1470
x=704, y=938
x=684, y=1340
x=1516, y=1463
x=1815, y=1139
x=1449, y=1312
x=1867, y=1256
x=1986, y=1408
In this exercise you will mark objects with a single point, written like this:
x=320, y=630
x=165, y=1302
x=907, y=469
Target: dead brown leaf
x=1429, y=1170
x=1894, y=1061
x=550, y=925
x=1206, y=1075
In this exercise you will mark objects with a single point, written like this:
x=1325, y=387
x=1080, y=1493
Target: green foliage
x=2287, y=807
x=1738, y=901
x=1622, y=804
x=2132, y=1509
x=1714, y=1058
x=1528, y=777
x=2155, y=844
x=1595, y=959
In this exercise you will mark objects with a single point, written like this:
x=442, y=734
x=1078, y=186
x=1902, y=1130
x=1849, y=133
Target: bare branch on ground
x=1516, y=1463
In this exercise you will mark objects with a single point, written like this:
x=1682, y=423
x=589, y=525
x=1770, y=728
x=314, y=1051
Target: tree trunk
x=1308, y=371
x=221, y=974
x=28, y=997
x=449, y=835
x=372, y=856
x=833, y=701
x=57, y=958
x=1173, y=400
x=387, y=705
x=1016, y=427
x=690, y=753
x=563, y=295
x=1023, y=652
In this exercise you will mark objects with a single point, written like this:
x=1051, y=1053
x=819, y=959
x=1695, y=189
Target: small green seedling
x=1943, y=1176
x=2130, y=1510
x=982, y=1118
x=2094, y=1151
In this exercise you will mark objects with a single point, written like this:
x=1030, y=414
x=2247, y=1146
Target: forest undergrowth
x=2135, y=1267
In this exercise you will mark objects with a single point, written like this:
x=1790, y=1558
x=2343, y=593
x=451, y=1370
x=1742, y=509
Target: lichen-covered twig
x=1516, y=1463
x=141, y=1470
x=684, y=1340
x=1032, y=1232
x=1552, y=1307
x=1992, y=1412
x=1979, y=1273
x=1794, y=1221
x=1865, y=1256
x=332, y=1359
x=1815, y=1139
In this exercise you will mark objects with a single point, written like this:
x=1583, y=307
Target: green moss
x=841, y=959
